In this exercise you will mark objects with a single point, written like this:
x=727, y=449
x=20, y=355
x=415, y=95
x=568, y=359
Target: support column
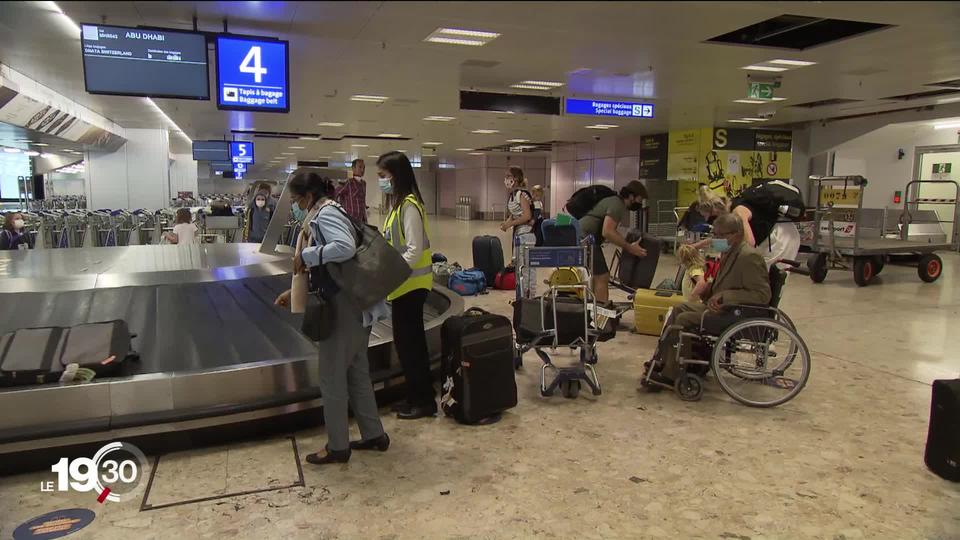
x=135, y=176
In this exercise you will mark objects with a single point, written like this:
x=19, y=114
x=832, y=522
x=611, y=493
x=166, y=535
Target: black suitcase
x=559, y=235
x=635, y=272
x=477, y=366
x=942, y=455
x=40, y=355
x=488, y=257
x=530, y=321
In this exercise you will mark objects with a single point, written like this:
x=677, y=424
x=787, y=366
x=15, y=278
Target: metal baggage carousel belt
x=179, y=327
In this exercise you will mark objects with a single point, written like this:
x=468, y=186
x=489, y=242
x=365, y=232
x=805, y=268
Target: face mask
x=634, y=207
x=299, y=214
x=18, y=224
x=720, y=244
x=386, y=185
x=508, y=183
x=261, y=203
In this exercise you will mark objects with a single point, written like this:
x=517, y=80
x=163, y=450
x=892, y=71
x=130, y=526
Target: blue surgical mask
x=386, y=185
x=299, y=214
x=720, y=244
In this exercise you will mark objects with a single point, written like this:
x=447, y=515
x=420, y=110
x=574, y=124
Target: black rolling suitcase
x=488, y=257
x=531, y=319
x=942, y=455
x=635, y=272
x=40, y=355
x=477, y=366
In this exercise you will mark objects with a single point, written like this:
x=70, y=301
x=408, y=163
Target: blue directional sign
x=241, y=152
x=239, y=168
x=596, y=107
x=253, y=74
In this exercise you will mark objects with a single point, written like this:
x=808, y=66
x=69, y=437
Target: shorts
x=599, y=261
x=783, y=243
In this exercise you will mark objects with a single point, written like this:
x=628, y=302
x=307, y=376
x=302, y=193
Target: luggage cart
x=549, y=332
x=869, y=254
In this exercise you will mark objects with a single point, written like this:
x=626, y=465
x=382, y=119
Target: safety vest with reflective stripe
x=422, y=276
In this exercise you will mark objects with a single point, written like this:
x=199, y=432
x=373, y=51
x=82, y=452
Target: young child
x=184, y=231
x=694, y=282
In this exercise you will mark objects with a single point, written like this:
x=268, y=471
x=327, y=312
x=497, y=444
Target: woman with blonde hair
x=761, y=209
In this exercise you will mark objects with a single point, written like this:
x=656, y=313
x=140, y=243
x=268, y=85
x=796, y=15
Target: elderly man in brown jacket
x=742, y=279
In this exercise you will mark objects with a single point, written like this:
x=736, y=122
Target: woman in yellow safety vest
x=407, y=230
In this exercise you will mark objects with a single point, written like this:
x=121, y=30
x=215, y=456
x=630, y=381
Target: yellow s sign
x=720, y=138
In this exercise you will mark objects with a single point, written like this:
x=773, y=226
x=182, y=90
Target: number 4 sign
x=257, y=68
x=253, y=74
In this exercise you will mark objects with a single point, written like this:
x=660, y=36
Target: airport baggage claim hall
x=479, y=270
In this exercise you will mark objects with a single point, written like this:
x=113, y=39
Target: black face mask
x=635, y=206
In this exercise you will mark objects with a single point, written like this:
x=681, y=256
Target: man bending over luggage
x=602, y=222
x=742, y=279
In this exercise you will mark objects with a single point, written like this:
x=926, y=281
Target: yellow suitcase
x=650, y=309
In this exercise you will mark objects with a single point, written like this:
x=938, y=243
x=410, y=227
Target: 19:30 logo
x=114, y=473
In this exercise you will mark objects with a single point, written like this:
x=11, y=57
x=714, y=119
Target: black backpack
x=779, y=195
x=584, y=199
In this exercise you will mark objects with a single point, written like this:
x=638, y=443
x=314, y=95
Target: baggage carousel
x=214, y=350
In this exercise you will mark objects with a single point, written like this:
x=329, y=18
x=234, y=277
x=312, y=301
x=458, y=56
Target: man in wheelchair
x=742, y=280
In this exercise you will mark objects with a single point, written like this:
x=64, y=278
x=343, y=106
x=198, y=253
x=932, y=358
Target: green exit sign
x=760, y=90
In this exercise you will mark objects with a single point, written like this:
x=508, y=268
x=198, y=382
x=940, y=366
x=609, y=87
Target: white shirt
x=186, y=233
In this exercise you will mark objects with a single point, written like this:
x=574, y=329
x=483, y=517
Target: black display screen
x=144, y=62
x=212, y=151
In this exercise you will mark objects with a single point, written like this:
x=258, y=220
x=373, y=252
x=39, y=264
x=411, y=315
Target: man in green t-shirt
x=602, y=221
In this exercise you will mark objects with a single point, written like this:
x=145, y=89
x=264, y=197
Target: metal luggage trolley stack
x=869, y=247
x=545, y=322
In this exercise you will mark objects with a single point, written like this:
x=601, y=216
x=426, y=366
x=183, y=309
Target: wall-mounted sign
x=653, y=156
x=253, y=74
x=596, y=107
x=239, y=168
x=241, y=152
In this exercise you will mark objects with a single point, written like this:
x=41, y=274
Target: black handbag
x=318, y=319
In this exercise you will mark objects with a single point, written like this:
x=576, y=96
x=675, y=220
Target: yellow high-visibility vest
x=422, y=276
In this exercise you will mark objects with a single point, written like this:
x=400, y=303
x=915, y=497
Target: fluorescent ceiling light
x=324, y=157
x=71, y=24
x=296, y=147
x=440, y=118
x=309, y=138
x=755, y=119
x=330, y=124
x=740, y=121
x=360, y=145
x=950, y=125
x=368, y=98
x=40, y=144
x=458, y=36
x=402, y=151
x=431, y=143
x=606, y=126
x=531, y=87
x=550, y=84
x=338, y=152
x=390, y=135
x=797, y=63
x=12, y=150
x=518, y=140
x=476, y=153
x=169, y=120
x=31, y=153
x=485, y=131
x=464, y=149
x=764, y=68
x=287, y=154
x=778, y=99
x=469, y=33
x=751, y=101
x=46, y=155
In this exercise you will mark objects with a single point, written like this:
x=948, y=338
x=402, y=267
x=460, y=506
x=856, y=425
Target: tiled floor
x=842, y=461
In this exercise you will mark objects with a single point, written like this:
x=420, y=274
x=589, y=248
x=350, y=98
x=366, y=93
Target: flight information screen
x=141, y=62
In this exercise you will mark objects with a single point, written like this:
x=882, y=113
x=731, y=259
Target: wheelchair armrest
x=748, y=310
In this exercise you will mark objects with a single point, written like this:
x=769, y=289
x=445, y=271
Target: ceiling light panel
x=393, y=135
x=485, y=131
x=739, y=121
x=460, y=36
x=750, y=101
x=550, y=84
x=518, y=140
x=440, y=118
x=949, y=125
x=464, y=149
x=749, y=119
x=764, y=68
x=794, y=63
x=368, y=98
x=331, y=124
x=522, y=86
x=431, y=143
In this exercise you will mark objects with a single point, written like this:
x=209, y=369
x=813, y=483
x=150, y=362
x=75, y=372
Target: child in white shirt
x=184, y=231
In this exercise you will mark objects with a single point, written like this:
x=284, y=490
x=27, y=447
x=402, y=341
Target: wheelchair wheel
x=761, y=362
x=689, y=387
x=570, y=388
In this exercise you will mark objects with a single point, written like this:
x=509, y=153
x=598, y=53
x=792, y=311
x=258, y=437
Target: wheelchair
x=754, y=352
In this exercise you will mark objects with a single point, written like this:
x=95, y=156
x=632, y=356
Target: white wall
x=481, y=179
x=183, y=174
x=135, y=176
x=66, y=184
x=874, y=156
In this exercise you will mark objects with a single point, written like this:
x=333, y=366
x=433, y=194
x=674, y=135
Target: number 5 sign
x=253, y=74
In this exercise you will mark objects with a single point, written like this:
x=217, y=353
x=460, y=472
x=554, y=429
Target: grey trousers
x=345, y=378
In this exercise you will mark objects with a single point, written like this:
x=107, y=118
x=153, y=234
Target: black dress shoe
x=381, y=443
x=414, y=412
x=399, y=406
x=332, y=456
